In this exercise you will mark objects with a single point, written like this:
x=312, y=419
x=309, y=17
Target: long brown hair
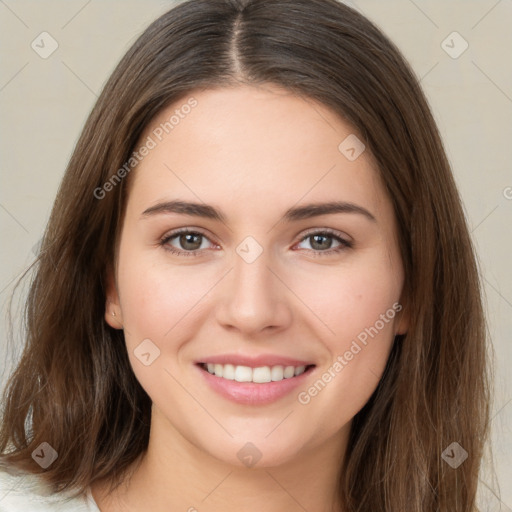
x=74, y=388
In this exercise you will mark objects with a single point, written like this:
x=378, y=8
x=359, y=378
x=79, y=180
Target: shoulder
x=27, y=492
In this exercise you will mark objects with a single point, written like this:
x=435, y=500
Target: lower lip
x=251, y=393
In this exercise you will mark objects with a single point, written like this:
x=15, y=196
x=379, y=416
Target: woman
x=257, y=289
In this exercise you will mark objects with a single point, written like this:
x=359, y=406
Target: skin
x=252, y=152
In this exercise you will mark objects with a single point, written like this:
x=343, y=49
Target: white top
x=27, y=492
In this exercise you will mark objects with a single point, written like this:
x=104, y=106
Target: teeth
x=289, y=372
x=228, y=372
x=277, y=373
x=219, y=370
x=260, y=375
x=242, y=373
x=299, y=370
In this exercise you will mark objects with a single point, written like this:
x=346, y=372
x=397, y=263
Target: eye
x=321, y=242
x=189, y=242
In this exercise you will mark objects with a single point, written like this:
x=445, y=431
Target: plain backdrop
x=44, y=103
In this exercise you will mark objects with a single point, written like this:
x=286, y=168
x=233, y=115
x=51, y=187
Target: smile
x=259, y=375
x=255, y=386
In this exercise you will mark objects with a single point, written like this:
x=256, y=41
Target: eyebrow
x=292, y=214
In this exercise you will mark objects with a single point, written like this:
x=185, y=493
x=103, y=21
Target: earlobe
x=402, y=322
x=113, y=315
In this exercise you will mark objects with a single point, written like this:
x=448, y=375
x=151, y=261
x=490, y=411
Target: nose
x=254, y=300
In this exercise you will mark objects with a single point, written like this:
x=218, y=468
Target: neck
x=174, y=474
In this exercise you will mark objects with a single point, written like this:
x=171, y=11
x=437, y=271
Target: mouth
x=258, y=375
x=254, y=385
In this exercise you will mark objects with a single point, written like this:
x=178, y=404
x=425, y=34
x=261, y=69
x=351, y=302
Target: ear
x=402, y=319
x=113, y=314
x=403, y=323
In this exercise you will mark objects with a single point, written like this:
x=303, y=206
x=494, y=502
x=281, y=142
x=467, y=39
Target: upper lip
x=255, y=361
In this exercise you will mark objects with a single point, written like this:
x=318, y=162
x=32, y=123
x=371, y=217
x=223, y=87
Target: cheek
x=155, y=298
x=350, y=299
x=360, y=305
x=158, y=300
x=161, y=304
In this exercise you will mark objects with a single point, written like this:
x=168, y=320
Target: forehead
x=253, y=144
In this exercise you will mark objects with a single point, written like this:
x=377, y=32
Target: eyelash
x=344, y=244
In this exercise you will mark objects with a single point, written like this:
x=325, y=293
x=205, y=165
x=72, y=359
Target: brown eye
x=190, y=241
x=185, y=242
x=319, y=242
x=325, y=242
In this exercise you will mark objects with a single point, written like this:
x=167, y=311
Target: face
x=253, y=309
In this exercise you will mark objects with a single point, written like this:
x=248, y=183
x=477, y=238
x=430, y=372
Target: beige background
x=44, y=103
